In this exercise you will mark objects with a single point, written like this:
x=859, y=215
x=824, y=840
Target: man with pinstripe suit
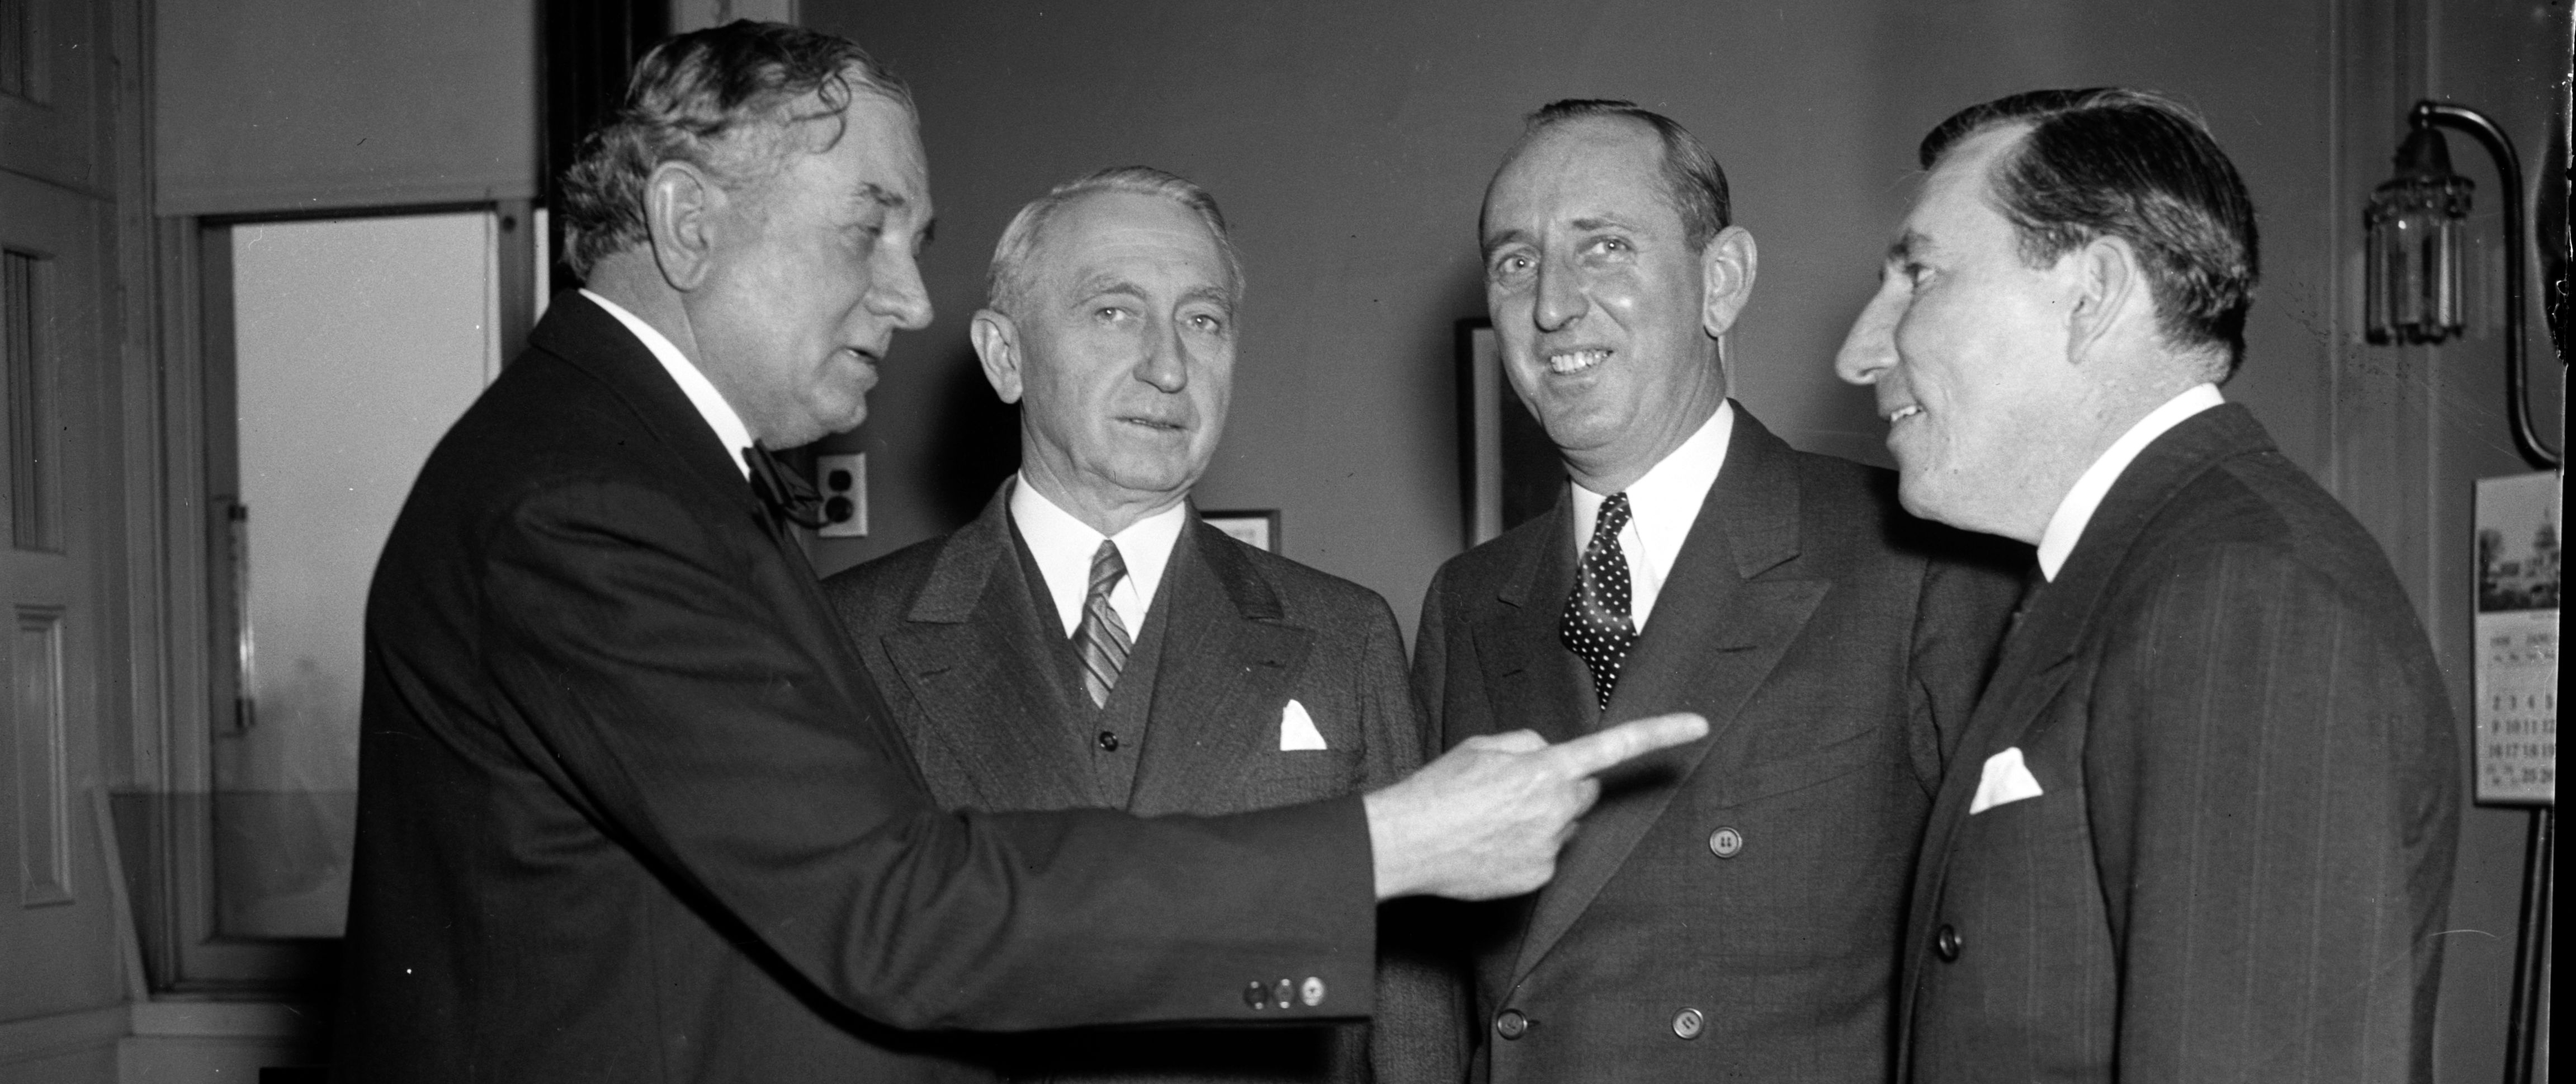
x=2202, y=823
x=1089, y=641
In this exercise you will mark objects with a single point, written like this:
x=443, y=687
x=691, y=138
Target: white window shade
x=297, y=105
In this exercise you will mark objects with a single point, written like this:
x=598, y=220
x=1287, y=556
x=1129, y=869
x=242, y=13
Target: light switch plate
x=842, y=479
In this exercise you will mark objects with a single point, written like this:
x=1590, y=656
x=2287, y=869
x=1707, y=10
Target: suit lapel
x=1535, y=684
x=2039, y=654
x=1727, y=614
x=1228, y=661
x=971, y=651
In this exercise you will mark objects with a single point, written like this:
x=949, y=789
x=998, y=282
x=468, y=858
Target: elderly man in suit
x=1732, y=908
x=1089, y=641
x=2204, y=817
x=630, y=808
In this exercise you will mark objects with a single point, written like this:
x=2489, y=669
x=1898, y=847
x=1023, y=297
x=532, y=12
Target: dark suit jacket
x=630, y=809
x=2249, y=801
x=976, y=673
x=1756, y=878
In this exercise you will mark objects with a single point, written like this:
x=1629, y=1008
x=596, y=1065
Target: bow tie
x=787, y=493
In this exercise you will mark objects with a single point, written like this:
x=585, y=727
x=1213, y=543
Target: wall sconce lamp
x=2416, y=223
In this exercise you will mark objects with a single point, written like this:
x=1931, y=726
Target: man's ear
x=997, y=346
x=681, y=205
x=1726, y=265
x=2110, y=290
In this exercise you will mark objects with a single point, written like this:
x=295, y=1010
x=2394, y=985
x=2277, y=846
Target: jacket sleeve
x=650, y=666
x=2272, y=778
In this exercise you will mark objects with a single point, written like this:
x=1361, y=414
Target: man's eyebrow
x=871, y=192
x=1108, y=284
x=1499, y=238
x=1601, y=223
x=1218, y=294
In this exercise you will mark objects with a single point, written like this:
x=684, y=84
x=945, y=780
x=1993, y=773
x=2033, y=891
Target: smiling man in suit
x=1731, y=910
x=1088, y=641
x=2203, y=821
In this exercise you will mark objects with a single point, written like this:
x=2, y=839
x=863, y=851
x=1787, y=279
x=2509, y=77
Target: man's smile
x=1570, y=362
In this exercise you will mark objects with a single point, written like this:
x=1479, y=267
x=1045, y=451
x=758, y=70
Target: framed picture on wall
x=1256, y=527
x=1508, y=471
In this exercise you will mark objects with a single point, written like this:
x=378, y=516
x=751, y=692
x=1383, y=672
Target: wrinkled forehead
x=868, y=153
x=1577, y=168
x=1095, y=230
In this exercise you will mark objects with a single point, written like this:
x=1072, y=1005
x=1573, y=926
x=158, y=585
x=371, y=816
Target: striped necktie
x=1596, y=625
x=1102, y=638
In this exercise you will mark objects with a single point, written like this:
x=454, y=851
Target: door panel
x=56, y=919
x=49, y=90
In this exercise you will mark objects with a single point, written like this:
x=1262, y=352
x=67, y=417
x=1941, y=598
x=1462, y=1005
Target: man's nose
x=1560, y=297
x=1166, y=364
x=1870, y=349
x=897, y=293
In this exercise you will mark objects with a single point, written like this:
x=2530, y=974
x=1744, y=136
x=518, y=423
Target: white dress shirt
x=2077, y=508
x=702, y=394
x=1662, y=505
x=1064, y=545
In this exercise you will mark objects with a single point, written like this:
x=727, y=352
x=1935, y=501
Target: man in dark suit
x=2202, y=823
x=1732, y=908
x=1090, y=642
x=630, y=808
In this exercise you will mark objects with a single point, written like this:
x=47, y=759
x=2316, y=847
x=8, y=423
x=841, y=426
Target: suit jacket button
x=1256, y=996
x=1510, y=1024
x=1285, y=993
x=1688, y=1023
x=1725, y=842
x=1946, y=942
x=1311, y=992
x=1109, y=741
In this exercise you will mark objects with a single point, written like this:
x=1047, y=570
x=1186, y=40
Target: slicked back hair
x=1694, y=183
x=2136, y=165
x=1007, y=279
x=724, y=99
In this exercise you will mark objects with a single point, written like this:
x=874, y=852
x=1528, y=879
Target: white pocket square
x=1297, y=729
x=2006, y=780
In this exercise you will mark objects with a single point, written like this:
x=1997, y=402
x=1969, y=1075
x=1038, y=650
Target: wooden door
x=59, y=503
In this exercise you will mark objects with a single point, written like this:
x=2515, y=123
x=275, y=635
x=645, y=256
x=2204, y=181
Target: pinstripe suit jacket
x=1836, y=646
x=953, y=632
x=2250, y=791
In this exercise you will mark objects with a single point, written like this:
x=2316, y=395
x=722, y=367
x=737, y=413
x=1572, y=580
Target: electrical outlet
x=842, y=479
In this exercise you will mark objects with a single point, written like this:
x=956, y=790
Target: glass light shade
x=2416, y=223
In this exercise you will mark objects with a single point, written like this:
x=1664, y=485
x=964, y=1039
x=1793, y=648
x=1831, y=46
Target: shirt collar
x=1064, y=545
x=702, y=394
x=2077, y=508
x=1664, y=502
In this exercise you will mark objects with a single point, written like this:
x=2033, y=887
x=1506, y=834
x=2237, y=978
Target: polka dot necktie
x=1597, y=626
x=1102, y=638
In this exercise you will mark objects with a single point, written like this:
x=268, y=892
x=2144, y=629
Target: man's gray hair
x=725, y=100
x=1006, y=282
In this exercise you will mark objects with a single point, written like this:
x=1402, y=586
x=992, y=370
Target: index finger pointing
x=1595, y=753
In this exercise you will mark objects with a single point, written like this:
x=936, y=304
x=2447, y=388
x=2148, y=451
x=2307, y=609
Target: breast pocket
x=1300, y=775
x=1776, y=776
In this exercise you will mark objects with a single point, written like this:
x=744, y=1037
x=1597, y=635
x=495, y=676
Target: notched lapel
x=1228, y=663
x=1729, y=610
x=1531, y=681
x=966, y=653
